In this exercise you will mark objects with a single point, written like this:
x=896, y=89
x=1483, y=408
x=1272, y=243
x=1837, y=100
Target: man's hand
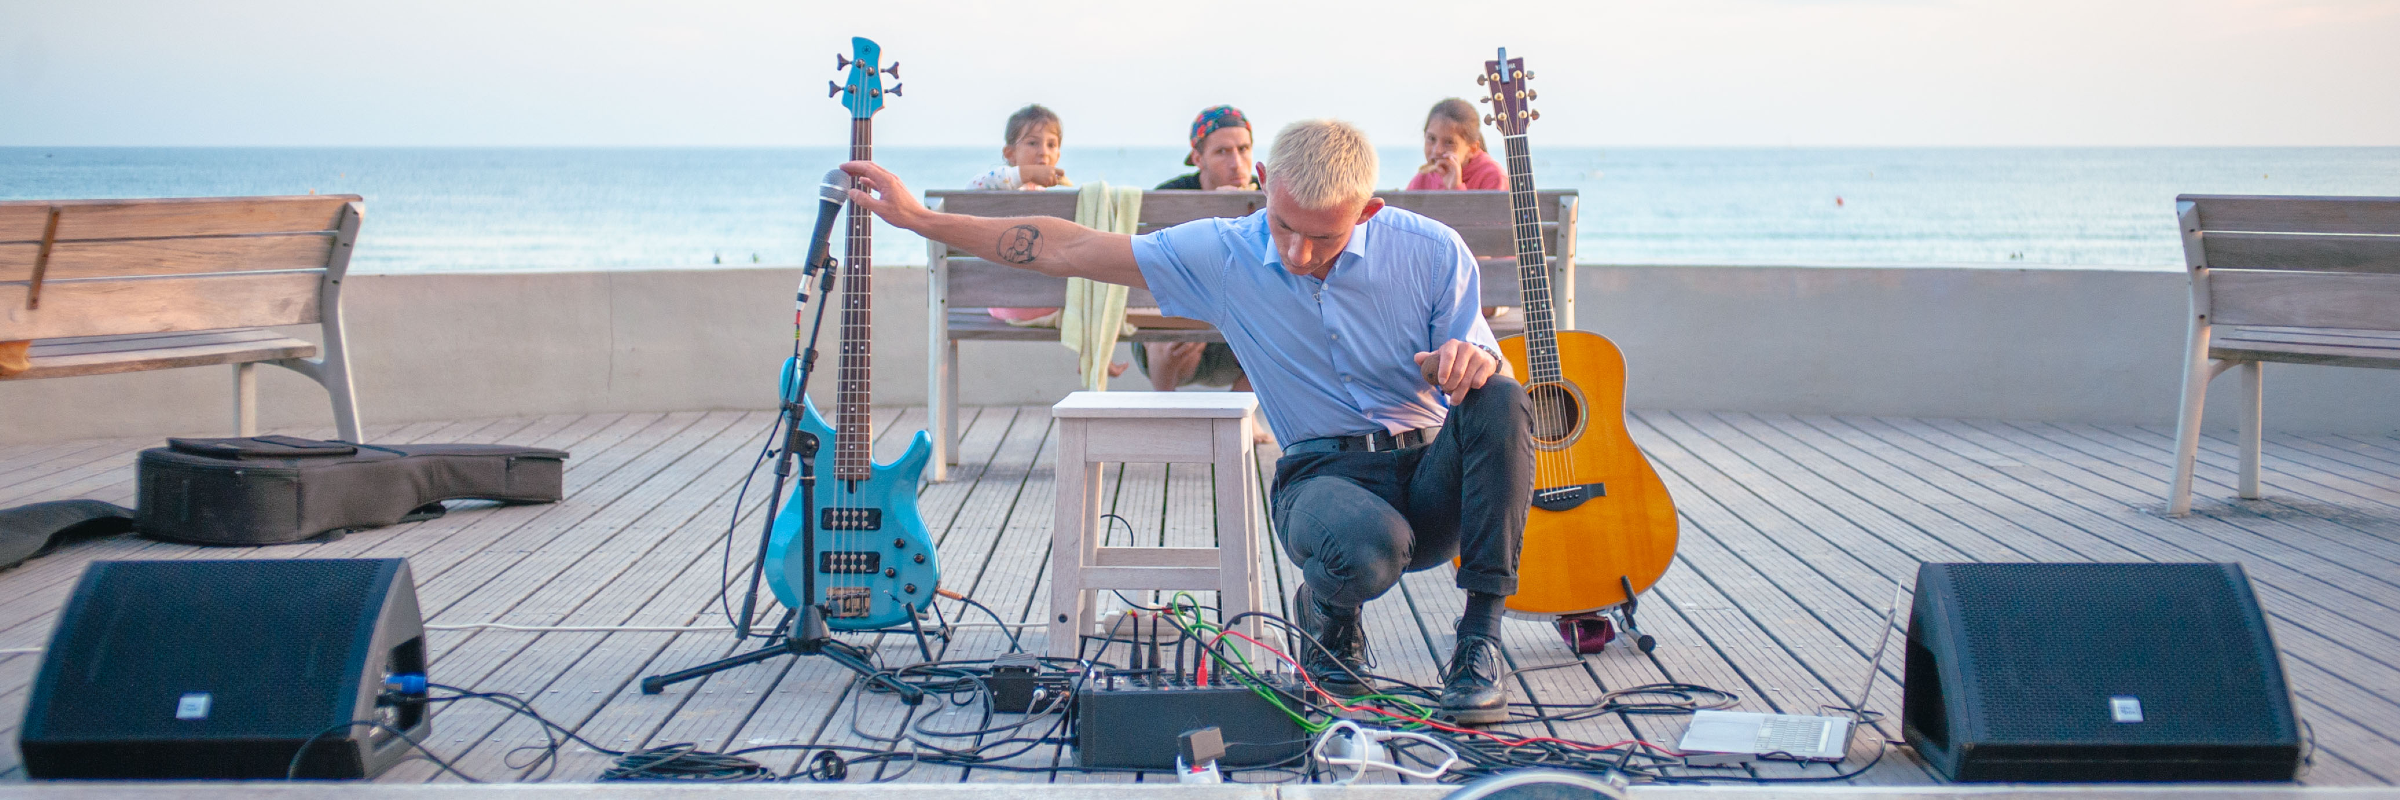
x=1457, y=366
x=1038, y=175
x=880, y=191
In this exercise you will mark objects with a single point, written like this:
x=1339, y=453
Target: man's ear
x=1374, y=204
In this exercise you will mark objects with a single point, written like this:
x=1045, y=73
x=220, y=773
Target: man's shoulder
x=1186, y=181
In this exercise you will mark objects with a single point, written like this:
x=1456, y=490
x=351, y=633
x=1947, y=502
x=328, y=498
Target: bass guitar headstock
x=1511, y=101
x=863, y=92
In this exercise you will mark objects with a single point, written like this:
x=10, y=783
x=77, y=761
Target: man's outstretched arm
x=1047, y=245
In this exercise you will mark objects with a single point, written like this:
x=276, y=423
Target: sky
x=1608, y=72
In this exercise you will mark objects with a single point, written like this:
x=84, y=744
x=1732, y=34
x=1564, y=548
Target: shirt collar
x=1353, y=251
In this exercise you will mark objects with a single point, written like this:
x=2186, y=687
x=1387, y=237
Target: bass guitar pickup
x=1561, y=498
x=850, y=519
x=849, y=562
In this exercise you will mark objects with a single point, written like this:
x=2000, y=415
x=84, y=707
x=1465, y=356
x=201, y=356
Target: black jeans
x=1355, y=521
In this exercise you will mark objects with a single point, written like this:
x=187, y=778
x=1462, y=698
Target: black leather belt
x=1376, y=442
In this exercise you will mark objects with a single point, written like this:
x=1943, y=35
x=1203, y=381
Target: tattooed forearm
x=1020, y=245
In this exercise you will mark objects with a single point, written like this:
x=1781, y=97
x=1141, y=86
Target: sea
x=502, y=209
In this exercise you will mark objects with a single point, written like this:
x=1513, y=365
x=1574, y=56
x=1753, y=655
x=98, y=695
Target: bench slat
x=972, y=324
x=148, y=305
x=49, y=362
x=2333, y=336
x=1481, y=218
x=977, y=283
x=2370, y=349
x=92, y=345
x=131, y=257
x=2302, y=252
x=2271, y=214
x=23, y=220
x=2304, y=300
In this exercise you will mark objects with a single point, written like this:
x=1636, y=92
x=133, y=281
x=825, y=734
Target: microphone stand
x=808, y=634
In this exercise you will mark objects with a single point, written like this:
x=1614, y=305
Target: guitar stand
x=1590, y=632
x=807, y=634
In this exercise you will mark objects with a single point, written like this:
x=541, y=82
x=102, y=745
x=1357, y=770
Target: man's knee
x=1499, y=401
x=1349, y=542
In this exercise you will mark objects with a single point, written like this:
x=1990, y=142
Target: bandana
x=1210, y=121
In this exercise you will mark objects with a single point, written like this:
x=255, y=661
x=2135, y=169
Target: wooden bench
x=2303, y=280
x=959, y=286
x=108, y=286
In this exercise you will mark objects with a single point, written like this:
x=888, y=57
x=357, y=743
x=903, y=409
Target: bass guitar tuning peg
x=833, y=89
x=840, y=61
x=894, y=91
x=893, y=70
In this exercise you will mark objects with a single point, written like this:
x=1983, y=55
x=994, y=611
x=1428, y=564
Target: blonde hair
x=1322, y=164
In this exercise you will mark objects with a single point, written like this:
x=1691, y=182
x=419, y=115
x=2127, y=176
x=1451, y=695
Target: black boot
x=1471, y=690
x=1340, y=666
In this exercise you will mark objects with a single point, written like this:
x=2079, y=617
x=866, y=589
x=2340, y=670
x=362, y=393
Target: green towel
x=1095, y=312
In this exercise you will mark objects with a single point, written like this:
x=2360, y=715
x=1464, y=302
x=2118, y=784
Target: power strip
x=1137, y=722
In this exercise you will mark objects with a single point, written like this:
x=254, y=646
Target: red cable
x=1337, y=703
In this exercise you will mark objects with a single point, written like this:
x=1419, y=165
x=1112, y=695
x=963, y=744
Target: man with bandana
x=1221, y=150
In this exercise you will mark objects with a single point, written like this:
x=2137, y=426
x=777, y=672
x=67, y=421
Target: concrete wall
x=2054, y=344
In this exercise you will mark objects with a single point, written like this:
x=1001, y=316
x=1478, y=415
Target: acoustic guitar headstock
x=1511, y=101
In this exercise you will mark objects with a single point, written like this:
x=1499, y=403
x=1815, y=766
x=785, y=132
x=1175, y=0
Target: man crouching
x=1360, y=327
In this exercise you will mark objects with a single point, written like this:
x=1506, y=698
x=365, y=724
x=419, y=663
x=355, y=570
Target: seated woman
x=1455, y=157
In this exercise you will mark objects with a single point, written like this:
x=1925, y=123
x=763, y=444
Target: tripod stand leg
x=1643, y=641
x=918, y=626
x=659, y=683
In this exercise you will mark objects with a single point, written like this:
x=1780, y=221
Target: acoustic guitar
x=876, y=567
x=1602, y=528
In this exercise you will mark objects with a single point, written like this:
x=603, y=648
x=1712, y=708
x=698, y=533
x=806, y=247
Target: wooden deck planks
x=1795, y=530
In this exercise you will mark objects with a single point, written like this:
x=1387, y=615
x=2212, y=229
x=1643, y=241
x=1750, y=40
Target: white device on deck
x=1718, y=738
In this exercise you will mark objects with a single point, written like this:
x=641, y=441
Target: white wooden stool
x=1152, y=427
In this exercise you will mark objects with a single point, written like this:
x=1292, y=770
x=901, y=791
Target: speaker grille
x=250, y=634
x=2051, y=644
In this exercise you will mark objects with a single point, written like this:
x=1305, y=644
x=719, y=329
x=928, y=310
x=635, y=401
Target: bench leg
x=950, y=396
x=2196, y=372
x=245, y=399
x=2254, y=429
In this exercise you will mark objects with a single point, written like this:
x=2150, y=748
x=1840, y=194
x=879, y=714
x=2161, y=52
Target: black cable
x=292, y=771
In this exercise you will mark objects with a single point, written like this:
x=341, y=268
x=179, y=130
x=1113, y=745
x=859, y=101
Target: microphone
x=834, y=192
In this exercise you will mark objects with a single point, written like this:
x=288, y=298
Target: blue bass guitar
x=875, y=567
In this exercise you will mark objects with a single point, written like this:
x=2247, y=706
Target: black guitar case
x=275, y=489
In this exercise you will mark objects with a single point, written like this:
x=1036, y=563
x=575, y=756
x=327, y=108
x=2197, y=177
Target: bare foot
x=1117, y=369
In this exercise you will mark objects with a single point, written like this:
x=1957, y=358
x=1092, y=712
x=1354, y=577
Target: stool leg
x=245, y=399
x=1072, y=539
x=1237, y=510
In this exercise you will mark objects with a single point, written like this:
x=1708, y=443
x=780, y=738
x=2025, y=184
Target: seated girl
x=1455, y=157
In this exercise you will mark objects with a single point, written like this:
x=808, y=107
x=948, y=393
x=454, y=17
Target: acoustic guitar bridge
x=1561, y=498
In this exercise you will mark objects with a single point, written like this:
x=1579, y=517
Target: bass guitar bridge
x=845, y=602
x=1561, y=498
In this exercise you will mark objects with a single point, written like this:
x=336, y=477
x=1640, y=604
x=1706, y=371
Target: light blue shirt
x=1332, y=357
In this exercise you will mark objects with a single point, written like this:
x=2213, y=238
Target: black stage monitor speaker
x=222, y=669
x=2095, y=672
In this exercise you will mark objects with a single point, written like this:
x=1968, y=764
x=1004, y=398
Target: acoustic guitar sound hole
x=1557, y=412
